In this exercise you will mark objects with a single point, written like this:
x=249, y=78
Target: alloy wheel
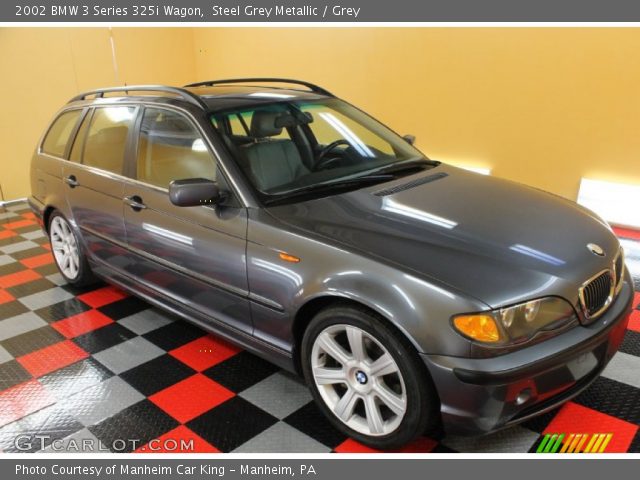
x=65, y=248
x=358, y=380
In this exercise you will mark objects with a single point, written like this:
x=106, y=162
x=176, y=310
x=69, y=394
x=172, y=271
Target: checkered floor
x=100, y=365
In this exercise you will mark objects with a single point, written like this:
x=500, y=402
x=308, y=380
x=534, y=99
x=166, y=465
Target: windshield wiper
x=347, y=183
x=404, y=166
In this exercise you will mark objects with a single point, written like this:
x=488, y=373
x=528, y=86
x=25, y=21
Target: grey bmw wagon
x=411, y=295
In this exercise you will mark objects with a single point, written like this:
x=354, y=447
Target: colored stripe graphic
x=553, y=443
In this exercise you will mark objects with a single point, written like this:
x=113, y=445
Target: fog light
x=523, y=396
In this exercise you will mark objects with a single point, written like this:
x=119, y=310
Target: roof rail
x=310, y=86
x=181, y=92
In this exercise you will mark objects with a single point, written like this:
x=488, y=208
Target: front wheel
x=366, y=378
x=67, y=252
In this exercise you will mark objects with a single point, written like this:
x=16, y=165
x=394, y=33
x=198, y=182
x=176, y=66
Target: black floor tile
x=539, y=423
x=137, y=425
x=46, y=270
x=11, y=374
x=635, y=444
x=613, y=398
x=29, y=252
x=30, y=288
x=103, y=338
x=174, y=335
x=72, y=289
x=11, y=309
x=440, y=448
x=123, y=308
x=31, y=341
x=231, y=424
x=157, y=374
x=62, y=310
x=10, y=268
x=310, y=420
x=240, y=371
x=631, y=343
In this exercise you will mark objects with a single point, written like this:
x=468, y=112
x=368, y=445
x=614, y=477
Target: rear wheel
x=367, y=378
x=67, y=252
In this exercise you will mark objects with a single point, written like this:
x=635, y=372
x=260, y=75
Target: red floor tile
x=52, y=358
x=29, y=216
x=81, y=323
x=419, y=445
x=102, y=296
x=38, y=260
x=627, y=233
x=636, y=300
x=204, y=352
x=178, y=440
x=191, y=397
x=574, y=418
x=5, y=297
x=634, y=321
x=18, y=224
x=22, y=400
x=351, y=446
x=17, y=278
x=7, y=234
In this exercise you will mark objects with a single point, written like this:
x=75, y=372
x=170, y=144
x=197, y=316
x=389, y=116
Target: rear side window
x=106, y=141
x=55, y=143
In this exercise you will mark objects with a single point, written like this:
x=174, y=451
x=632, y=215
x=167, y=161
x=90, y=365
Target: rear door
x=194, y=255
x=93, y=180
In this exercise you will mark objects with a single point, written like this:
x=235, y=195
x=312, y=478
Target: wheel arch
x=313, y=306
x=46, y=216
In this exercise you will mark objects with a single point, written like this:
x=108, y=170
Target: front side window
x=171, y=148
x=55, y=143
x=106, y=140
x=293, y=146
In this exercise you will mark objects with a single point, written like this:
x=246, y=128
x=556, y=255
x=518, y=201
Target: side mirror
x=410, y=139
x=191, y=192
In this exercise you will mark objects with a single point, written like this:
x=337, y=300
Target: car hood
x=496, y=240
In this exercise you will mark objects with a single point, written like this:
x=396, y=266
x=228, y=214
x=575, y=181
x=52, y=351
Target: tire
x=351, y=381
x=68, y=253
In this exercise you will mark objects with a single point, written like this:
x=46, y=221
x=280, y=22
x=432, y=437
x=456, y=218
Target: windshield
x=298, y=146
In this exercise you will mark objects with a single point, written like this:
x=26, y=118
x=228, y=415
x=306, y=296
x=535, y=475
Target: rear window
x=55, y=143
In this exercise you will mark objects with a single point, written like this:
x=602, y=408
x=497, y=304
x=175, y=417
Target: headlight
x=518, y=323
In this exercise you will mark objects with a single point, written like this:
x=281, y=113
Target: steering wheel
x=323, y=163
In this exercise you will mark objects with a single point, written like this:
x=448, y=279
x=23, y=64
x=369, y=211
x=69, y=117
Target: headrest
x=263, y=124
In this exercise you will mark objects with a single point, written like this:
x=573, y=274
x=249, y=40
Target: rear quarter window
x=57, y=138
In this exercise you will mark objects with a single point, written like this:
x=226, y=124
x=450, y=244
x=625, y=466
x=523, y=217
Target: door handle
x=135, y=202
x=72, y=181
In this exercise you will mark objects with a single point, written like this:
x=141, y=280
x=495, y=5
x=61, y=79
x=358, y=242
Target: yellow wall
x=43, y=67
x=538, y=105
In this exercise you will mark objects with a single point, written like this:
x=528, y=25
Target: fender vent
x=411, y=184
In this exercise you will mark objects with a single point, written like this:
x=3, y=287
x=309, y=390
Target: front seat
x=272, y=161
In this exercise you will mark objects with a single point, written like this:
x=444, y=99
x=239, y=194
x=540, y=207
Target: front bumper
x=482, y=395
